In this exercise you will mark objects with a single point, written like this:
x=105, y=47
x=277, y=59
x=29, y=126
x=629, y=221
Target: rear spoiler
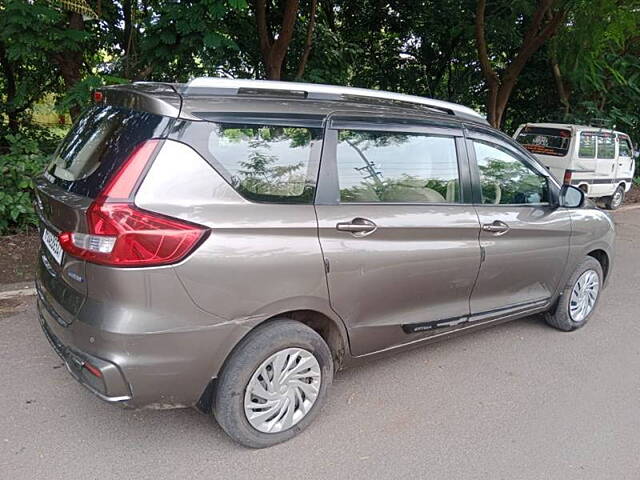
x=158, y=98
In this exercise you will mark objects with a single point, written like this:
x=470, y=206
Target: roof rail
x=226, y=86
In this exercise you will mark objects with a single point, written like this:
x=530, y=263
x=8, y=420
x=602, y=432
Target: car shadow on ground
x=348, y=383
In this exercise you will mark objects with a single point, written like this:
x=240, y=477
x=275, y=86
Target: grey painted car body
x=160, y=335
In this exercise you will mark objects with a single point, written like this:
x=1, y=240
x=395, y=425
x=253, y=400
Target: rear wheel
x=274, y=384
x=579, y=298
x=615, y=200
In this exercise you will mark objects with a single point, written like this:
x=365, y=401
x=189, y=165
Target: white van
x=599, y=161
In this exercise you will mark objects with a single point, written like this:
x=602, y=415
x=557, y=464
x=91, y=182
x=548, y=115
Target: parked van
x=598, y=161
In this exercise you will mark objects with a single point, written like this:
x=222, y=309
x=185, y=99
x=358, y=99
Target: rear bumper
x=139, y=368
x=75, y=362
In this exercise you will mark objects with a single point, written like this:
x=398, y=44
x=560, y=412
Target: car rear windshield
x=545, y=141
x=97, y=144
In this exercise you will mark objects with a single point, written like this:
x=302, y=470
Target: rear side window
x=545, y=141
x=267, y=163
x=97, y=144
x=606, y=147
x=587, y=147
x=396, y=167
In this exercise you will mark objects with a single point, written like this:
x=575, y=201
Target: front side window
x=268, y=163
x=625, y=147
x=587, y=147
x=395, y=167
x=507, y=180
x=606, y=147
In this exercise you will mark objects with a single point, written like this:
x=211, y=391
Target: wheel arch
x=330, y=329
x=603, y=258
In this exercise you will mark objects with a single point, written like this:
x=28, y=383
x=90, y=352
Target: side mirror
x=571, y=197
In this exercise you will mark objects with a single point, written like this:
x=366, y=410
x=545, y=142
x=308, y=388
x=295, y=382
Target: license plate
x=53, y=245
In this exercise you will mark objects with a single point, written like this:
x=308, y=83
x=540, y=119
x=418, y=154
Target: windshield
x=545, y=141
x=97, y=144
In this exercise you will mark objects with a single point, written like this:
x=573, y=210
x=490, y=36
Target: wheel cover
x=282, y=390
x=584, y=295
x=617, y=198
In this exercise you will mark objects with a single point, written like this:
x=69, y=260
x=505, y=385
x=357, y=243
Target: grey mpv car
x=230, y=244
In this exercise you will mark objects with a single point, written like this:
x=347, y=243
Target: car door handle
x=358, y=226
x=496, y=227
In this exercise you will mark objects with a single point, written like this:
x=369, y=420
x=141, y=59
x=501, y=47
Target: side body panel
x=524, y=263
x=418, y=266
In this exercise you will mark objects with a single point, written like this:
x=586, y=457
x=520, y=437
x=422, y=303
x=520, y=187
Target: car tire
x=567, y=315
x=261, y=353
x=614, y=201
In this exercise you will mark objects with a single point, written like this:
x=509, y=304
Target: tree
x=597, y=64
x=544, y=23
x=275, y=37
x=70, y=58
x=27, y=73
x=180, y=40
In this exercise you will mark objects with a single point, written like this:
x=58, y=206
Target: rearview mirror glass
x=571, y=197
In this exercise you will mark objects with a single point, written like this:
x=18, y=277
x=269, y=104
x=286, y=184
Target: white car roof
x=574, y=127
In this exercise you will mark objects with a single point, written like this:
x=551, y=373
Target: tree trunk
x=538, y=32
x=10, y=89
x=309, y=40
x=128, y=37
x=274, y=50
x=70, y=63
x=563, y=89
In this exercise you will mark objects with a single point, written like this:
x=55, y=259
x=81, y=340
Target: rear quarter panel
x=260, y=259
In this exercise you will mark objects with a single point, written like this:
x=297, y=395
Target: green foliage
x=424, y=47
x=25, y=156
x=186, y=39
x=80, y=94
x=601, y=62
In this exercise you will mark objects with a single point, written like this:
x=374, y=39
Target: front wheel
x=579, y=297
x=614, y=201
x=273, y=384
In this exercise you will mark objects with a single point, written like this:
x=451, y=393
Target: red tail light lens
x=121, y=234
x=123, y=183
x=567, y=177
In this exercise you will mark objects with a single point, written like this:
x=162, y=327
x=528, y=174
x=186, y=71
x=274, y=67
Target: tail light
x=567, y=177
x=122, y=235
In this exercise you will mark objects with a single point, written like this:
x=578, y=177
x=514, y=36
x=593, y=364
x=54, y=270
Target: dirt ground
x=17, y=257
x=633, y=195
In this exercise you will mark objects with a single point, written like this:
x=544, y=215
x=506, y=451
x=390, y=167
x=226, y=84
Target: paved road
x=519, y=401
